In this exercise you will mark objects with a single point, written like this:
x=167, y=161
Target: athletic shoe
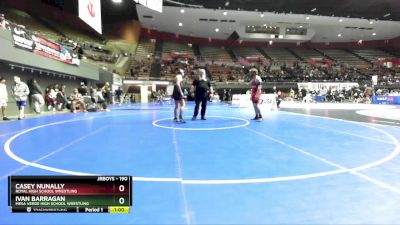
x=175, y=120
x=203, y=118
x=182, y=121
x=255, y=118
x=194, y=118
x=259, y=119
x=6, y=118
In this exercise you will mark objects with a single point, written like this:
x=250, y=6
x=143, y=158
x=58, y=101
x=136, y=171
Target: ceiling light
x=216, y=29
x=227, y=3
x=182, y=11
x=117, y=1
x=371, y=22
x=180, y=24
x=314, y=9
x=300, y=26
x=262, y=15
x=307, y=18
x=373, y=34
x=271, y=42
x=340, y=20
x=225, y=13
x=272, y=36
x=339, y=35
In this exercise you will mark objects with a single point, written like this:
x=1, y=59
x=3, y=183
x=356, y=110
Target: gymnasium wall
x=43, y=79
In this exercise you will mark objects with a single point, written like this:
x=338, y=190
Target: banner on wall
x=327, y=86
x=90, y=13
x=24, y=39
x=267, y=101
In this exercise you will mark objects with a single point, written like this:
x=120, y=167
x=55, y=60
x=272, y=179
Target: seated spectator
x=61, y=99
x=77, y=99
x=50, y=98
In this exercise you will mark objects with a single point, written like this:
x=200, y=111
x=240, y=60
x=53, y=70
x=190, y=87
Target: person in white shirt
x=3, y=98
x=20, y=92
x=77, y=99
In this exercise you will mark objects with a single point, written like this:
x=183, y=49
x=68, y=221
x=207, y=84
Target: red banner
x=25, y=40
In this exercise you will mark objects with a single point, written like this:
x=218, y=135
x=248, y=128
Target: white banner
x=267, y=101
x=90, y=13
x=326, y=86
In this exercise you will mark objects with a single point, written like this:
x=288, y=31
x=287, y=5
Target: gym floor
x=304, y=164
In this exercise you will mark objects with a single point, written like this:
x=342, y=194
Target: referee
x=202, y=89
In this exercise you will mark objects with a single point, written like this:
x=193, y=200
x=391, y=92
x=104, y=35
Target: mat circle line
x=389, y=157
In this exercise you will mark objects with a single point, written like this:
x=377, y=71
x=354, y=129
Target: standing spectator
x=118, y=95
x=20, y=92
x=106, y=90
x=202, y=89
x=83, y=90
x=368, y=92
x=77, y=99
x=36, y=94
x=3, y=98
x=278, y=97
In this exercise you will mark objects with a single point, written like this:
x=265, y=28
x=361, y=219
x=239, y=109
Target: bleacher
x=172, y=47
x=215, y=54
x=373, y=55
x=219, y=73
x=140, y=64
x=307, y=54
x=145, y=48
x=30, y=23
x=344, y=57
x=247, y=52
x=280, y=54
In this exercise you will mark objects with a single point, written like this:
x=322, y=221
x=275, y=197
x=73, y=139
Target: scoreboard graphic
x=70, y=194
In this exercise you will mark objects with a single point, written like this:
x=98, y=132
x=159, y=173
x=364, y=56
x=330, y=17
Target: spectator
x=99, y=99
x=3, y=98
x=61, y=99
x=50, y=98
x=106, y=90
x=77, y=99
x=36, y=95
x=83, y=89
x=20, y=92
x=118, y=95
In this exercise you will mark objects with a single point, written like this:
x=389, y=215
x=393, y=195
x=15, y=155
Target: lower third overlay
x=70, y=194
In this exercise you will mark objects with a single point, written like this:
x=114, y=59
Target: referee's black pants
x=203, y=101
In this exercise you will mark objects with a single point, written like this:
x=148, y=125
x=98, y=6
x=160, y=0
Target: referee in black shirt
x=202, y=89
